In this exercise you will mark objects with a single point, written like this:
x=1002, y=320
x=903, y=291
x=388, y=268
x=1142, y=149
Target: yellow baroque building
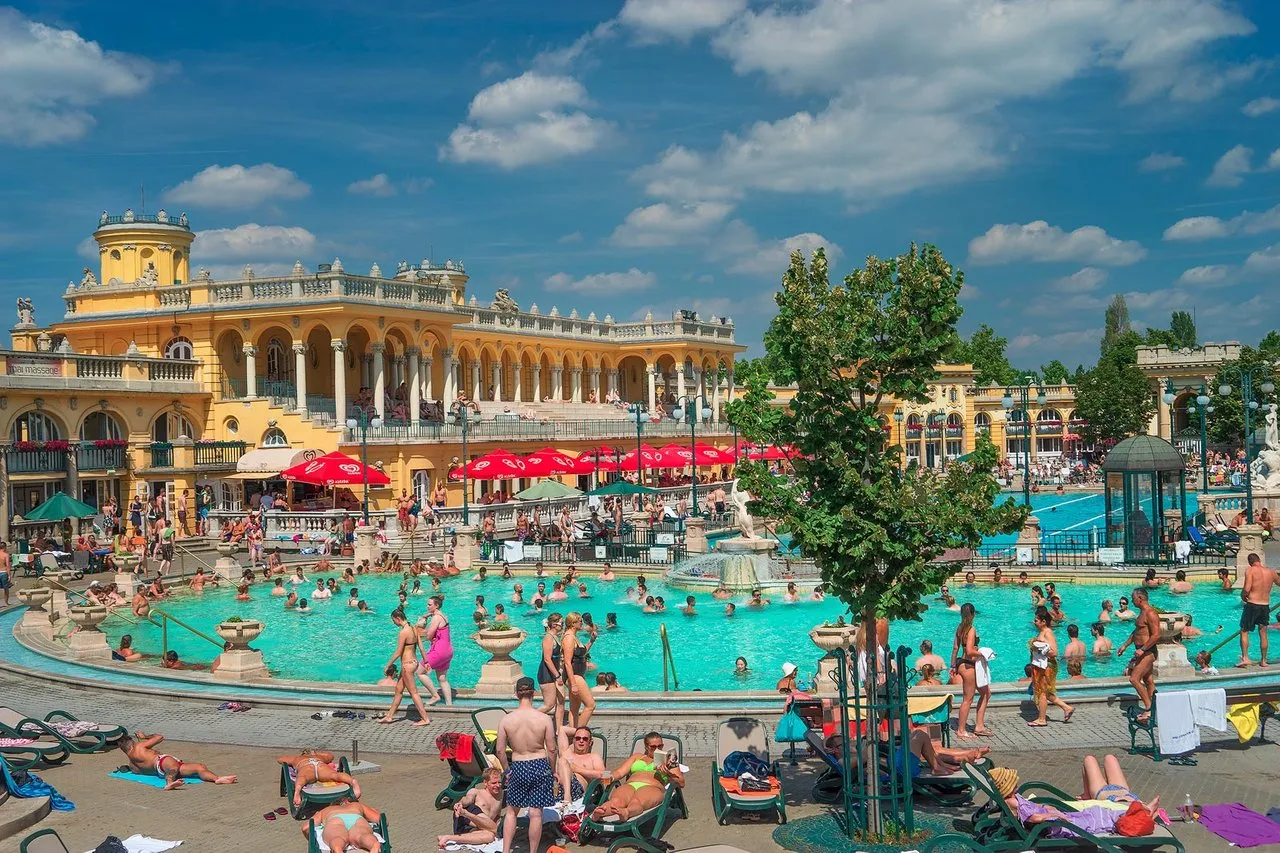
x=156, y=380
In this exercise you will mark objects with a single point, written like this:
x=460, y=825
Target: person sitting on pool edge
x=313, y=766
x=1137, y=820
x=126, y=652
x=140, y=749
x=346, y=825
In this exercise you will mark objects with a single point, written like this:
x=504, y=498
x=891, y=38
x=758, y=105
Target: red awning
x=548, y=462
x=334, y=469
x=494, y=465
x=680, y=456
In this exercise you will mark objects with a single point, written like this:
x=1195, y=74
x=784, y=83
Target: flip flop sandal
x=269, y=816
x=316, y=716
x=282, y=810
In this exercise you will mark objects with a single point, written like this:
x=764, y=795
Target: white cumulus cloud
x=1205, y=276
x=239, y=186
x=1210, y=227
x=772, y=257
x=51, y=79
x=1040, y=241
x=1082, y=280
x=1160, y=162
x=378, y=185
x=1264, y=260
x=1260, y=107
x=1231, y=168
x=678, y=19
x=601, y=284
x=666, y=224
x=253, y=242
x=530, y=94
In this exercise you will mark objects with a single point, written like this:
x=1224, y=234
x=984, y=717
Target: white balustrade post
x=379, y=380
x=250, y=370
x=415, y=387
x=339, y=379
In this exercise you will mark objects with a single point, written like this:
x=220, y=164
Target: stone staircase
x=557, y=411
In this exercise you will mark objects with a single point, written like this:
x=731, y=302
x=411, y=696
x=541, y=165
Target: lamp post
x=640, y=417
x=364, y=423
x=1168, y=397
x=1024, y=391
x=688, y=406
x=1247, y=378
x=1202, y=408
x=461, y=416
x=902, y=442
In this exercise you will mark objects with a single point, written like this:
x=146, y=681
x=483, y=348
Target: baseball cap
x=524, y=684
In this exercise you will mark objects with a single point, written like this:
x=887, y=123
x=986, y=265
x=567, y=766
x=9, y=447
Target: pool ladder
x=163, y=624
x=668, y=662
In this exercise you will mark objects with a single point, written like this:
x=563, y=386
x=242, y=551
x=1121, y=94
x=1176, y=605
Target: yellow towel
x=1246, y=718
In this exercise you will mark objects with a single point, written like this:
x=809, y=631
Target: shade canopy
x=547, y=490
x=1144, y=453
x=334, y=469
x=623, y=487
x=60, y=506
x=548, y=462
x=263, y=463
x=701, y=454
x=494, y=465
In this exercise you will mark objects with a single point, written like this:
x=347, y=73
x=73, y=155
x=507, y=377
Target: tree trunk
x=872, y=820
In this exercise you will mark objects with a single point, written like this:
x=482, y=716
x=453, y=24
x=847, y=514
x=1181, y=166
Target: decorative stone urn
x=499, y=674
x=831, y=639
x=239, y=633
x=36, y=619
x=226, y=567
x=240, y=663
x=87, y=642
x=1171, y=654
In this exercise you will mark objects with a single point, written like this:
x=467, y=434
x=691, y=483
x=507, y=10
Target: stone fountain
x=742, y=562
x=36, y=619
x=499, y=674
x=1171, y=654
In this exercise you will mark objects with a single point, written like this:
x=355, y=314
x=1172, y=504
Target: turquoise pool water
x=335, y=644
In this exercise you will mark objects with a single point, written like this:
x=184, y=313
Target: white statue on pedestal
x=742, y=515
x=1265, y=468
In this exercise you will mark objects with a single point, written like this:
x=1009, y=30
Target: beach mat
x=152, y=781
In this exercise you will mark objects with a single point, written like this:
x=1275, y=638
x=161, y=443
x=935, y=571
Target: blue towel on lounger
x=33, y=786
x=153, y=781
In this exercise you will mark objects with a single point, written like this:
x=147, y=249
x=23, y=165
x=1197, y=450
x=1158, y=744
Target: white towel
x=143, y=844
x=512, y=551
x=1182, y=550
x=1176, y=722
x=494, y=846
x=982, y=667
x=1209, y=708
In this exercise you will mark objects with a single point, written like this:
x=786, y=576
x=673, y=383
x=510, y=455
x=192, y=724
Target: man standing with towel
x=1256, y=596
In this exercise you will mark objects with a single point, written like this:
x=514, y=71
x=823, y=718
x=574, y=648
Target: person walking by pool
x=964, y=660
x=439, y=654
x=1256, y=611
x=1044, y=671
x=529, y=735
x=1141, y=669
x=407, y=646
x=550, y=672
x=573, y=656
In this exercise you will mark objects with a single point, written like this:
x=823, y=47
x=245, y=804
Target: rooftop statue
x=26, y=312
x=89, y=279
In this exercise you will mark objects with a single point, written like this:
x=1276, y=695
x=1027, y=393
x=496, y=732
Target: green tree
x=1159, y=337
x=1117, y=321
x=1226, y=422
x=1054, y=373
x=1078, y=374
x=985, y=350
x=1183, y=327
x=1269, y=346
x=873, y=530
x=1115, y=398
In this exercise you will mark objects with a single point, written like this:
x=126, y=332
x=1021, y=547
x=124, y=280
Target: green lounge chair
x=998, y=828
x=379, y=829
x=643, y=831
x=463, y=776
x=743, y=734
x=42, y=750
x=949, y=791
x=487, y=720
x=13, y=724
x=315, y=793
x=43, y=841
x=109, y=732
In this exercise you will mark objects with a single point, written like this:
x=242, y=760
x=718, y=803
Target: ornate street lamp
x=1024, y=393
x=640, y=417
x=1203, y=409
x=1168, y=397
x=1247, y=378
x=461, y=415
x=364, y=423
x=689, y=404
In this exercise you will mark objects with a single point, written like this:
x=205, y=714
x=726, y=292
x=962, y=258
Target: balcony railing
x=1016, y=428
x=623, y=431
x=161, y=454
x=54, y=370
x=216, y=454
x=1049, y=428
x=36, y=461
x=90, y=458
x=955, y=432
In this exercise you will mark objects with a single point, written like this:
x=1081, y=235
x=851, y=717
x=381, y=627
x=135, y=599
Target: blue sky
x=619, y=157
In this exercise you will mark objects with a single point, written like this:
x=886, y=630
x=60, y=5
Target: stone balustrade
x=50, y=371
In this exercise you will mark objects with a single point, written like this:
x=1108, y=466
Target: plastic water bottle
x=1188, y=809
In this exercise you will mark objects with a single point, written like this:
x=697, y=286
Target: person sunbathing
x=314, y=766
x=143, y=758
x=644, y=781
x=1096, y=819
x=475, y=816
x=346, y=825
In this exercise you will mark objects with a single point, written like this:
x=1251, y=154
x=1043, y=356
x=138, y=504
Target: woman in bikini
x=312, y=766
x=573, y=656
x=550, y=671
x=439, y=651
x=346, y=825
x=644, y=782
x=407, y=646
x=964, y=657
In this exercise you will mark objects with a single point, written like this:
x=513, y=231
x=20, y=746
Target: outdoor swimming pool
x=335, y=644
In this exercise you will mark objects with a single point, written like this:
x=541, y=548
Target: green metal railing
x=161, y=454
x=36, y=461
x=91, y=458
x=165, y=619
x=219, y=454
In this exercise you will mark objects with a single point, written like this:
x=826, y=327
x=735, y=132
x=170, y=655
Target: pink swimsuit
x=440, y=655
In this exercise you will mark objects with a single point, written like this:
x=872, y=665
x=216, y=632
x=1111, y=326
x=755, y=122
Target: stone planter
x=37, y=618
x=239, y=634
x=226, y=567
x=1171, y=654
x=88, y=616
x=35, y=597
x=87, y=642
x=499, y=674
x=1171, y=625
x=832, y=639
x=225, y=549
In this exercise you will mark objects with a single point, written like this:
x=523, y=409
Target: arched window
x=953, y=420
x=35, y=426
x=275, y=437
x=1049, y=415
x=982, y=421
x=953, y=395
x=179, y=348
x=170, y=425
x=913, y=421
x=277, y=360
x=100, y=426
x=1015, y=415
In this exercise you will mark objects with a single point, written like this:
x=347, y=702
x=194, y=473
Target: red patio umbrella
x=770, y=454
x=494, y=465
x=650, y=457
x=680, y=456
x=548, y=462
x=334, y=469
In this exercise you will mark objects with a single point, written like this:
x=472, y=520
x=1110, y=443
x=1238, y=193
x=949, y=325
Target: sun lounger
x=316, y=845
x=24, y=757
x=43, y=841
x=315, y=793
x=953, y=789
x=464, y=775
x=643, y=831
x=15, y=725
x=744, y=734
x=999, y=829
x=109, y=732
x=486, y=721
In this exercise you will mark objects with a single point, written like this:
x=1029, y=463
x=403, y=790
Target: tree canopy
x=985, y=350
x=1226, y=422
x=1117, y=321
x=852, y=350
x=1054, y=373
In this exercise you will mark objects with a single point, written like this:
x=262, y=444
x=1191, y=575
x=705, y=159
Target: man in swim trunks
x=346, y=825
x=475, y=816
x=1141, y=669
x=578, y=765
x=1256, y=597
x=529, y=734
x=313, y=766
x=145, y=760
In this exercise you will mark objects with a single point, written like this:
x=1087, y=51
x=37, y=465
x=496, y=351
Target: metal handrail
x=668, y=660
x=165, y=631
x=185, y=552
x=1237, y=634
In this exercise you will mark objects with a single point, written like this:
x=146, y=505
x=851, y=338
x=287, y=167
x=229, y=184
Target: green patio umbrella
x=60, y=506
x=623, y=487
x=547, y=490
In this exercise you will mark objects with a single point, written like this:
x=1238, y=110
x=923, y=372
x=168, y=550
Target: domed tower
x=153, y=248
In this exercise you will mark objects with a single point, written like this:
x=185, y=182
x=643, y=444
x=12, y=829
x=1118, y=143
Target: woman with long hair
x=439, y=654
x=407, y=646
x=964, y=661
x=550, y=669
x=573, y=658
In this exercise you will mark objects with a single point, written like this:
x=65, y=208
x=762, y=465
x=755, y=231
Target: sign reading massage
x=27, y=365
